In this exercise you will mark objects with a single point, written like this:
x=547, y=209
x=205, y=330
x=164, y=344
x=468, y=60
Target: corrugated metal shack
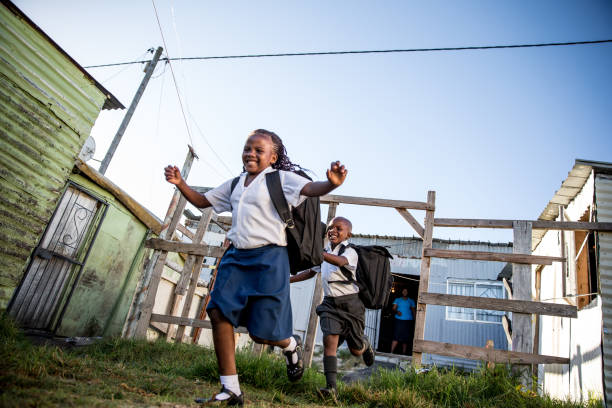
x=49, y=105
x=445, y=324
x=584, y=280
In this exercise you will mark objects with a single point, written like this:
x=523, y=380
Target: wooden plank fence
x=519, y=300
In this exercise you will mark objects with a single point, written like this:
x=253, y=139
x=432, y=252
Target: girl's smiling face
x=258, y=154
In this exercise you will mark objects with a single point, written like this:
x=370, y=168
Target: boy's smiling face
x=339, y=231
x=258, y=153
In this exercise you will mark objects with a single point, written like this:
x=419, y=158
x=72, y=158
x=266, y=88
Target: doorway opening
x=387, y=320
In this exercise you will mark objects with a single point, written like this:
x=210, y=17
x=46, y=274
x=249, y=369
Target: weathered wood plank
x=507, y=305
x=190, y=249
x=185, y=231
x=317, y=296
x=483, y=354
x=421, y=307
x=493, y=256
x=537, y=224
x=186, y=321
x=507, y=325
x=412, y=221
x=522, y=334
x=173, y=265
x=508, y=288
x=140, y=315
x=376, y=202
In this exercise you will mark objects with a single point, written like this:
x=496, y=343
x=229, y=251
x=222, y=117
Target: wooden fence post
x=419, y=324
x=140, y=315
x=522, y=333
x=317, y=296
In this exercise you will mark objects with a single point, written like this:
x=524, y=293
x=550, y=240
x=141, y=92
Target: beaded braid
x=283, y=162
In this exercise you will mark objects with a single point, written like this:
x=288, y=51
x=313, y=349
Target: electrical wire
x=320, y=53
x=178, y=40
x=168, y=59
x=104, y=81
x=230, y=172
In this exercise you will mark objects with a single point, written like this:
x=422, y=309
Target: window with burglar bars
x=489, y=289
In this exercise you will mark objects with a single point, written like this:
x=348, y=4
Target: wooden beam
x=412, y=221
x=493, y=256
x=537, y=224
x=522, y=334
x=375, y=202
x=205, y=324
x=507, y=325
x=142, y=307
x=173, y=265
x=506, y=305
x=317, y=296
x=185, y=231
x=193, y=263
x=191, y=249
x=483, y=354
x=508, y=287
x=421, y=307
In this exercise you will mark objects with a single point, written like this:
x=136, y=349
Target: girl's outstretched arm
x=173, y=176
x=336, y=174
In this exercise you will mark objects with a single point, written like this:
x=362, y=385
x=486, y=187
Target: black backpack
x=373, y=274
x=304, y=229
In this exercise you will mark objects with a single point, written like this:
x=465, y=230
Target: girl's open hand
x=336, y=173
x=173, y=175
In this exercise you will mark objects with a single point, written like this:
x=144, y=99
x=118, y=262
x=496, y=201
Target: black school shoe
x=328, y=394
x=368, y=354
x=295, y=371
x=233, y=400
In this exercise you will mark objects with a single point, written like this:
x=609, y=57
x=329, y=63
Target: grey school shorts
x=344, y=316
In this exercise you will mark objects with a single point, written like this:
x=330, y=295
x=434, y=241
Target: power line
x=303, y=54
x=172, y=71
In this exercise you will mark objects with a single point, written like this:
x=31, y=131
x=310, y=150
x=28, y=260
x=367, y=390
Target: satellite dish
x=88, y=150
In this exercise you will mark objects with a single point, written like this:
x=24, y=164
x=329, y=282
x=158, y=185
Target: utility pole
x=126, y=119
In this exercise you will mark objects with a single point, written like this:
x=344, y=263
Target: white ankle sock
x=291, y=347
x=231, y=383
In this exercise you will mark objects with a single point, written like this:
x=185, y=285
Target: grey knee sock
x=330, y=368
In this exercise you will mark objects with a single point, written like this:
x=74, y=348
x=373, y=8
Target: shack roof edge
x=110, y=102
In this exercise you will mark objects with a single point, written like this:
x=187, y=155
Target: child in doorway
x=252, y=286
x=342, y=313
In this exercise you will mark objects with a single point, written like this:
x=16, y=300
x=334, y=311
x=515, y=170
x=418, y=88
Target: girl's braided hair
x=283, y=162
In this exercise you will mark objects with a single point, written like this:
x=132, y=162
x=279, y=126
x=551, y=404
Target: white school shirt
x=330, y=272
x=255, y=221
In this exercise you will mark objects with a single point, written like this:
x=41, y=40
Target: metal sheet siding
x=406, y=260
x=603, y=201
x=47, y=109
x=101, y=299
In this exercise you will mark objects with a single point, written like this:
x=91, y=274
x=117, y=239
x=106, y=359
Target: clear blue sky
x=493, y=132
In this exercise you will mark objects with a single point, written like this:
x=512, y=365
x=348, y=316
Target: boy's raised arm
x=336, y=174
x=173, y=176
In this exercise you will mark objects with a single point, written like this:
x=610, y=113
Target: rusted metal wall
x=47, y=108
x=101, y=298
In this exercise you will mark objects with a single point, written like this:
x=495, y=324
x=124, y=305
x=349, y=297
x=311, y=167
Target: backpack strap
x=347, y=274
x=234, y=184
x=275, y=189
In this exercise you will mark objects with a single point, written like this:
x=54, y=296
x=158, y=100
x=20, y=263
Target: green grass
x=120, y=373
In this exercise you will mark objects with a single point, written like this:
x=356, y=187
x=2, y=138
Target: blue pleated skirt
x=252, y=290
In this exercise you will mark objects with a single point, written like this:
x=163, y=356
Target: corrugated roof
x=144, y=215
x=570, y=187
x=111, y=101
